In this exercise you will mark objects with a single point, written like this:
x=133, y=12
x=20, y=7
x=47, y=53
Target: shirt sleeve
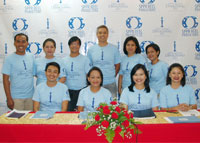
x=80, y=99
x=88, y=65
x=36, y=95
x=6, y=69
x=66, y=93
x=62, y=69
x=163, y=100
x=89, y=56
x=117, y=56
x=155, y=102
x=124, y=97
x=165, y=69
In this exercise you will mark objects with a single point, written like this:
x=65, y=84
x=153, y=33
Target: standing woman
x=91, y=96
x=177, y=95
x=132, y=57
x=49, y=47
x=157, y=69
x=139, y=96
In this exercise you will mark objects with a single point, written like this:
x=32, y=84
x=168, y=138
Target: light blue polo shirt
x=40, y=65
x=170, y=97
x=20, y=70
x=127, y=65
x=105, y=58
x=90, y=100
x=158, y=75
x=51, y=98
x=139, y=99
x=76, y=69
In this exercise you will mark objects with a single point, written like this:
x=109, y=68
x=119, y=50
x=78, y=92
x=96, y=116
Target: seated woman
x=157, y=68
x=51, y=95
x=139, y=96
x=91, y=96
x=176, y=95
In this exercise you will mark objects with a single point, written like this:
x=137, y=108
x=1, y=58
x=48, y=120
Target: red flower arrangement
x=112, y=120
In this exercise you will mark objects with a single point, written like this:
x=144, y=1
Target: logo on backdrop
x=89, y=6
x=197, y=47
x=147, y=5
x=134, y=24
x=175, y=6
x=190, y=73
x=197, y=93
x=61, y=6
x=174, y=54
x=87, y=45
x=197, y=5
x=32, y=7
x=76, y=25
x=162, y=30
x=34, y=47
x=117, y=5
x=48, y=31
x=20, y=26
x=6, y=8
x=189, y=24
x=144, y=44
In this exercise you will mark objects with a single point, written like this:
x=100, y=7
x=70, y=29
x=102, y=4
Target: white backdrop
x=173, y=24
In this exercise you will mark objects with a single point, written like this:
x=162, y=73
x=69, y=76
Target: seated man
x=51, y=95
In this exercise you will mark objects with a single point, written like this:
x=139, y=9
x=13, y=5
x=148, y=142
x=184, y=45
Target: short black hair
x=73, y=39
x=21, y=34
x=154, y=46
x=49, y=40
x=95, y=69
x=146, y=82
x=134, y=39
x=102, y=26
x=175, y=65
x=52, y=64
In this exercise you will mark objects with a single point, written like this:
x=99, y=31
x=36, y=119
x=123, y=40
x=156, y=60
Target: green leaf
x=110, y=134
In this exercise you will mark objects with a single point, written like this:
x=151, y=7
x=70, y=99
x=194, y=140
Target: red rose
x=118, y=129
x=113, y=103
x=118, y=109
x=100, y=107
x=131, y=115
x=97, y=117
x=106, y=110
x=105, y=123
x=126, y=115
x=114, y=115
x=125, y=123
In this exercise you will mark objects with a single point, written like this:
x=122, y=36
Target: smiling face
x=102, y=35
x=139, y=77
x=95, y=78
x=49, y=49
x=152, y=54
x=131, y=47
x=52, y=73
x=176, y=75
x=74, y=47
x=21, y=44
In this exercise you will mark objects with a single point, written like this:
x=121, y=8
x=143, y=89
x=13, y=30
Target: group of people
x=79, y=82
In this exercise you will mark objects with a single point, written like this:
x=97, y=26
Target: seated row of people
x=52, y=95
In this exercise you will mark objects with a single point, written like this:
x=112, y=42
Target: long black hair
x=175, y=65
x=146, y=82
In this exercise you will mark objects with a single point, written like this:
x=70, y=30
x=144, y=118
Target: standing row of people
x=136, y=76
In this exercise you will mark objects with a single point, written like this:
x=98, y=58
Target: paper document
x=192, y=112
x=17, y=114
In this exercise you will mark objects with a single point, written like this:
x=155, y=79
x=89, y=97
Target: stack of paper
x=43, y=115
x=17, y=114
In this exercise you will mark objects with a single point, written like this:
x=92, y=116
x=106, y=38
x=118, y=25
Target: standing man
x=18, y=76
x=76, y=66
x=107, y=57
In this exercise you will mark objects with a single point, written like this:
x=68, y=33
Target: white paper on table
x=15, y=113
x=192, y=112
